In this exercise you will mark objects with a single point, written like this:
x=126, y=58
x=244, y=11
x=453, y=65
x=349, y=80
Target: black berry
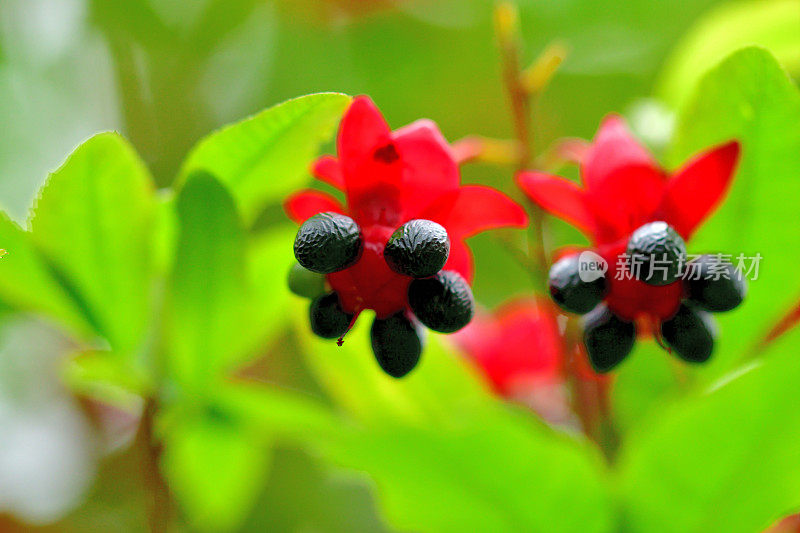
x=328, y=242
x=444, y=302
x=655, y=252
x=690, y=333
x=569, y=291
x=328, y=319
x=396, y=344
x=305, y=283
x=608, y=338
x=419, y=248
x=714, y=284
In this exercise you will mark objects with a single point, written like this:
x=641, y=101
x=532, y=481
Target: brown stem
x=609, y=438
x=156, y=489
x=519, y=98
x=590, y=398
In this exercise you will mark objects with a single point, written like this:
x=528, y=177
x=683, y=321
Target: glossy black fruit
x=569, y=291
x=690, y=333
x=419, y=248
x=714, y=284
x=396, y=344
x=656, y=251
x=608, y=338
x=328, y=242
x=444, y=302
x=305, y=283
x=328, y=319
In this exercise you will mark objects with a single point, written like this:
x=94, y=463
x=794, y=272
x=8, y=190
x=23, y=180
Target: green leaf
x=492, y=474
x=264, y=157
x=352, y=376
x=215, y=469
x=723, y=460
x=438, y=440
x=277, y=412
x=28, y=283
x=227, y=293
x=94, y=221
x=103, y=376
x=750, y=98
x=216, y=451
x=206, y=292
x=773, y=24
x=269, y=259
x=643, y=382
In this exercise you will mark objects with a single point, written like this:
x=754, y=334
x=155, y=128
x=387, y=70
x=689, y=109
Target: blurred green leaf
x=430, y=394
x=274, y=411
x=102, y=376
x=93, y=221
x=269, y=260
x=266, y=156
x=304, y=493
x=27, y=282
x=215, y=469
x=206, y=292
x=750, y=98
x=437, y=440
x=643, y=382
x=227, y=292
x=166, y=230
x=773, y=24
x=216, y=451
x=496, y=472
x=723, y=460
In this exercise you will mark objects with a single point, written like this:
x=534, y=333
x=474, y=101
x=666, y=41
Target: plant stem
x=609, y=438
x=156, y=489
x=590, y=399
x=519, y=98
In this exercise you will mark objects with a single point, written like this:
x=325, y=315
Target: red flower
x=623, y=189
x=388, y=179
x=521, y=352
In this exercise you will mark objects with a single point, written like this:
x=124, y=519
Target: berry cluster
x=418, y=250
x=397, y=245
x=629, y=206
x=655, y=254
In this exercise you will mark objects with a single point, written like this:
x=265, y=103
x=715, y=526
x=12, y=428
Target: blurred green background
x=165, y=73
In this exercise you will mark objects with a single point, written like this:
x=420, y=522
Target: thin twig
x=519, y=98
x=156, y=489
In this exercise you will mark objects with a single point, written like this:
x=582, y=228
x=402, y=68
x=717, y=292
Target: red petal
x=626, y=199
x=612, y=150
x=361, y=131
x=696, y=190
x=328, y=169
x=423, y=129
x=460, y=260
x=305, y=204
x=430, y=170
x=558, y=196
x=371, y=165
x=518, y=349
x=478, y=208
